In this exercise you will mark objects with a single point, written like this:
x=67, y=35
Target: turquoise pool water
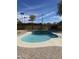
x=38, y=37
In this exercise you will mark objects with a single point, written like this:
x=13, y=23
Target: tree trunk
x=32, y=25
x=42, y=23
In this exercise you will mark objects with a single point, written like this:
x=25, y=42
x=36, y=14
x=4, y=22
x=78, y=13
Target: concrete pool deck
x=53, y=52
x=51, y=42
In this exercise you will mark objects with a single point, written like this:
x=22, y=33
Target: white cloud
x=21, y=17
x=46, y=15
x=34, y=7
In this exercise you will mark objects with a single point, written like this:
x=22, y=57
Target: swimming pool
x=38, y=36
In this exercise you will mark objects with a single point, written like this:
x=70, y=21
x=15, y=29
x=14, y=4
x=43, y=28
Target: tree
x=59, y=8
x=32, y=17
x=60, y=14
x=41, y=27
x=22, y=13
x=18, y=21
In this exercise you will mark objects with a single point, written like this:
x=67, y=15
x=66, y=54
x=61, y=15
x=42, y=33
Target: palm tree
x=22, y=15
x=32, y=17
x=41, y=27
x=60, y=14
x=42, y=21
x=24, y=19
x=59, y=8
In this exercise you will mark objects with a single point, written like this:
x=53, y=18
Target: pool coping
x=50, y=42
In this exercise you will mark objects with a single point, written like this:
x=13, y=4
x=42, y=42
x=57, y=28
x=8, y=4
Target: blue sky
x=40, y=8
